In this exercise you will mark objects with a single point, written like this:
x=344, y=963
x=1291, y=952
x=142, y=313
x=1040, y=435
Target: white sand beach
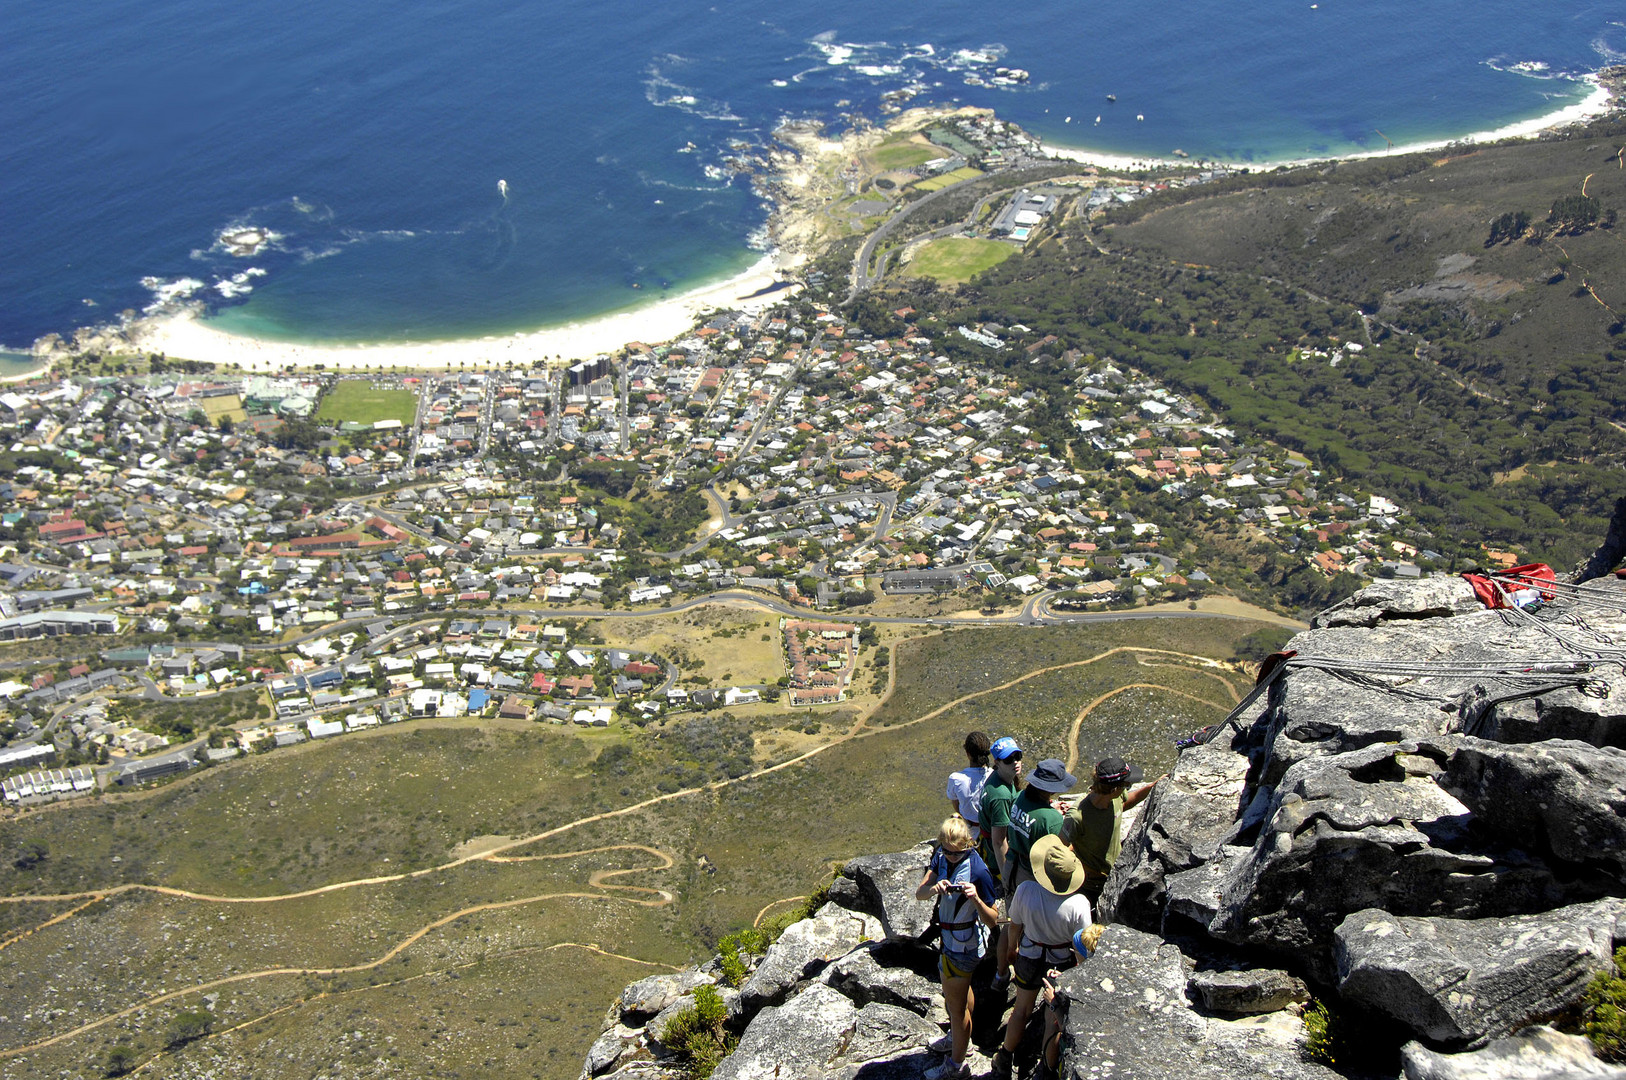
x=183, y=335
x=1594, y=104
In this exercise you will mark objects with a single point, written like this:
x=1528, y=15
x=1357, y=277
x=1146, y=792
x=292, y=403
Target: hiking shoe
x=943, y=1045
x=1000, y=1069
x=949, y=1070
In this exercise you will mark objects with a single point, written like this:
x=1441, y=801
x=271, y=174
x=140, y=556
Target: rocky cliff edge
x=1421, y=823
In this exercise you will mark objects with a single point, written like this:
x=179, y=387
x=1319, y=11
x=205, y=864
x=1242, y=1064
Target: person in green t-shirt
x=994, y=812
x=1094, y=827
x=1033, y=815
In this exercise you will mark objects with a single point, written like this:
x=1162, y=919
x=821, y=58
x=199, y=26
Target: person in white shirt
x=1044, y=915
x=965, y=787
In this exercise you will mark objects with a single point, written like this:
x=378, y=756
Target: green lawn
x=967, y=173
x=958, y=260
x=903, y=154
x=360, y=401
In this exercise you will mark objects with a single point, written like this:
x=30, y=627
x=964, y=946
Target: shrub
x=1603, y=1011
x=188, y=1026
x=1325, y=1041
x=697, y=1035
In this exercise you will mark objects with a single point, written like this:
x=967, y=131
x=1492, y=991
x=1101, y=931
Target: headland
x=809, y=174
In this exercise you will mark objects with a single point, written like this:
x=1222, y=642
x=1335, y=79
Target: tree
x=120, y=1060
x=32, y=855
x=189, y=1026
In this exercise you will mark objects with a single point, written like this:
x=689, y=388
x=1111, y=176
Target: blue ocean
x=365, y=140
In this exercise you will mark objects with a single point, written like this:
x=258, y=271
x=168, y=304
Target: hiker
x=994, y=815
x=965, y=787
x=1085, y=943
x=1046, y=912
x=1033, y=815
x=958, y=880
x=1094, y=826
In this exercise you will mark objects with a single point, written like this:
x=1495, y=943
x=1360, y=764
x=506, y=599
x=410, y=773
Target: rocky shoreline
x=1420, y=825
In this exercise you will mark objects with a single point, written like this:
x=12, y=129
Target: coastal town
x=331, y=552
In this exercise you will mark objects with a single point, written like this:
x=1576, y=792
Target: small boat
x=1112, y=97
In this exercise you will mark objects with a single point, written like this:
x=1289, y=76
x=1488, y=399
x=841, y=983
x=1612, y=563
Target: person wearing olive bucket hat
x=1045, y=912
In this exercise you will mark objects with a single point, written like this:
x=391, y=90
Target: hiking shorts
x=1028, y=971
x=955, y=965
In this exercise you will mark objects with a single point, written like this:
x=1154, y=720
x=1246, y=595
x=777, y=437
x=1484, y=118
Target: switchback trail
x=600, y=879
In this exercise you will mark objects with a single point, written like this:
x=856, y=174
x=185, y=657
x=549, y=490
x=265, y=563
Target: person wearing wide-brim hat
x=1045, y=913
x=1035, y=813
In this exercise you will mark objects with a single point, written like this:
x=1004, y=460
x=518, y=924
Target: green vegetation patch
x=958, y=259
x=359, y=401
x=903, y=154
x=943, y=181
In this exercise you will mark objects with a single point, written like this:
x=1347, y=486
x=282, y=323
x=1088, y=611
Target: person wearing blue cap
x=998, y=793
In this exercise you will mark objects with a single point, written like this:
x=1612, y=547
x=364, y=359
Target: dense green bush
x=698, y=1035
x=1604, y=1011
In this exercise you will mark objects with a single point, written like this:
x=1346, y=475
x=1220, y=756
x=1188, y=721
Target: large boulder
x=821, y=1035
x=609, y=1050
x=1562, y=801
x=1537, y=1053
x=861, y=976
x=1127, y=1016
x=802, y=951
x=1313, y=712
x=1248, y=991
x=1425, y=598
x=885, y=888
x=1180, y=827
x=1462, y=982
x=1366, y=829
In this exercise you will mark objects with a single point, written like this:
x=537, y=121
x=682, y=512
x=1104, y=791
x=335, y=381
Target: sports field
x=362, y=402
x=957, y=260
x=936, y=182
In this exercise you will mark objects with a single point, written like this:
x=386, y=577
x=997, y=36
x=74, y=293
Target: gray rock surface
x=1559, y=800
x=646, y=997
x=646, y=1070
x=886, y=889
x=1461, y=982
x=1180, y=828
x=820, y=1034
x=1426, y=598
x=609, y=1049
x=1128, y=1017
x=860, y=977
x=803, y=951
x=1249, y=991
x=1537, y=1053
x=1361, y=830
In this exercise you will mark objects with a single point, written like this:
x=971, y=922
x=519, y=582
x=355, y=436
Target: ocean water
x=367, y=139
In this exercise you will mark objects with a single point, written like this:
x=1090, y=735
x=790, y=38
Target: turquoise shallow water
x=369, y=140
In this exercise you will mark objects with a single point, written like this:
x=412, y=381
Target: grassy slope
x=337, y=810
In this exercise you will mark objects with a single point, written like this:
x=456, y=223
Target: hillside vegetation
x=1487, y=290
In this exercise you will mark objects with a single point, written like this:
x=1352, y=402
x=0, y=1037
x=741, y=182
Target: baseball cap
x=1115, y=770
x=1003, y=748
